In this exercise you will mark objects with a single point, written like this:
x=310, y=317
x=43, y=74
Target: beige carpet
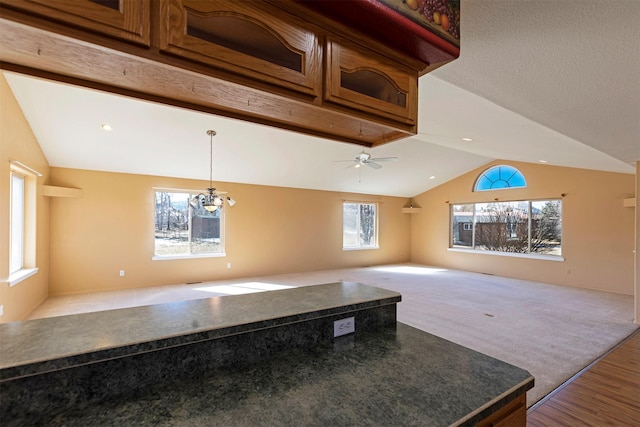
x=551, y=331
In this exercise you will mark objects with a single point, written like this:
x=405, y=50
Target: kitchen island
x=386, y=373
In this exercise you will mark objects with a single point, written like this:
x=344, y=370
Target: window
x=22, y=222
x=17, y=232
x=184, y=228
x=528, y=227
x=359, y=225
x=500, y=177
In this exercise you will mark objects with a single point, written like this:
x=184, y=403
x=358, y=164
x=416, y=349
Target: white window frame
x=509, y=236
x=22, y=222
x=188, y=255
x=360, y=245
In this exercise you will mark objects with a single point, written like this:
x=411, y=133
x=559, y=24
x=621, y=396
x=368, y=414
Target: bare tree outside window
x=182, y=229
x=518, y=226
x=367, y=224
x=502, y=226
x=359, y=225
x=546, y=227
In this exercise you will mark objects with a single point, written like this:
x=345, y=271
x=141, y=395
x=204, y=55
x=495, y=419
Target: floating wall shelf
x=411, y=210
x=53, y=191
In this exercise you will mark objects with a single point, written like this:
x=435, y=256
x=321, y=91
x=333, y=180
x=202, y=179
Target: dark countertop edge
x=127, y=350
x=384, y=297
x=488, y=408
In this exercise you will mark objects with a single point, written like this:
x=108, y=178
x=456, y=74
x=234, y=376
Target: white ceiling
x=536, y=80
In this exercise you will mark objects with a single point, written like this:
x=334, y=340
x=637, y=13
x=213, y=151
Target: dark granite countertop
x=398, y=376
x=44, y=345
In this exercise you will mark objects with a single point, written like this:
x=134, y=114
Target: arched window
x=500, y=177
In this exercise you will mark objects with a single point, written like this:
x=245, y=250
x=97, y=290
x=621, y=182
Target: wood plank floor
x=606, y=394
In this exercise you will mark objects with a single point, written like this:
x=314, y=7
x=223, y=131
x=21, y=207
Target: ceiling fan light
x=231, y=201
x=210, y=208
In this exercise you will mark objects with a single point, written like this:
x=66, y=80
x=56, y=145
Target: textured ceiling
x=572, y=66
x=536, y=80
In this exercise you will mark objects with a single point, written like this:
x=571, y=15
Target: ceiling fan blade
x=339, y=161
x=373, y=165
x=384, y=159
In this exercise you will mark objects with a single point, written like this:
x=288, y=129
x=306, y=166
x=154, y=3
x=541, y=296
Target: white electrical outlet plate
x=344, y=326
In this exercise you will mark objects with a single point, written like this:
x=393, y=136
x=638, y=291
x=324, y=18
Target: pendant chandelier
x=212, y=200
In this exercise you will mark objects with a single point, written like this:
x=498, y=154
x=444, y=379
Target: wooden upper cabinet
x=245, y=38
x=362, y=80
x=126, y=20
x=273, y=62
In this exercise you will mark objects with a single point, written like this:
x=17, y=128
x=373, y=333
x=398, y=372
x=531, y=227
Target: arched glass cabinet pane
x=244, y=36
x=374, y=85
x=500, y=177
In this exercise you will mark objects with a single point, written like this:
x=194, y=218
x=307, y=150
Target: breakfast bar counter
x=386, y=373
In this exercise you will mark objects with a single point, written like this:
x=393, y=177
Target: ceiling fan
x=366, y=159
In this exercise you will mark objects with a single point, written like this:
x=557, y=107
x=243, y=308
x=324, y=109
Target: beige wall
x=597, y=230
x=17, y=143
x=270, y=230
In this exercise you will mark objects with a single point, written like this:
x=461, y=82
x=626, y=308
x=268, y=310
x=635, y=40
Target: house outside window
x=183, y=228
x=528, y=227
x=359, y=225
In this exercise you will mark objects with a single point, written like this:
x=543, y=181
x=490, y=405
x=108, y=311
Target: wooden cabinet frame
x=260, y=25
x=130, y=23
x=392, y=91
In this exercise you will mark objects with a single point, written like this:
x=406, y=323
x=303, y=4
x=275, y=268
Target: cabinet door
x=245, y=38
x=121, y=19
x=513, y=414
x=365, y=81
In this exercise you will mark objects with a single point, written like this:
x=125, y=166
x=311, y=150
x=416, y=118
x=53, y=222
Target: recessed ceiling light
x=432, y=177
x=106, y=126
x=542, y=161
x=467, y=139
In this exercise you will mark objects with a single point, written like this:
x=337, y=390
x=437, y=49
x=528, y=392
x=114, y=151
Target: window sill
x=510, y=254
x=364, y=248
x=20, y=275
x=189, y=256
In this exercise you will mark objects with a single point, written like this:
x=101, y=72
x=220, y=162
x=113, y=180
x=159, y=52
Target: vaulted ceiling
x=536, y=81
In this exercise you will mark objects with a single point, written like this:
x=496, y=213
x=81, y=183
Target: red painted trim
x=384, y=24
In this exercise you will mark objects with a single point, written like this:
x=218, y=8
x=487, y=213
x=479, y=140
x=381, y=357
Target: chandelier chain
x=211, y=162
x=213, y=200
x=211, y=133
